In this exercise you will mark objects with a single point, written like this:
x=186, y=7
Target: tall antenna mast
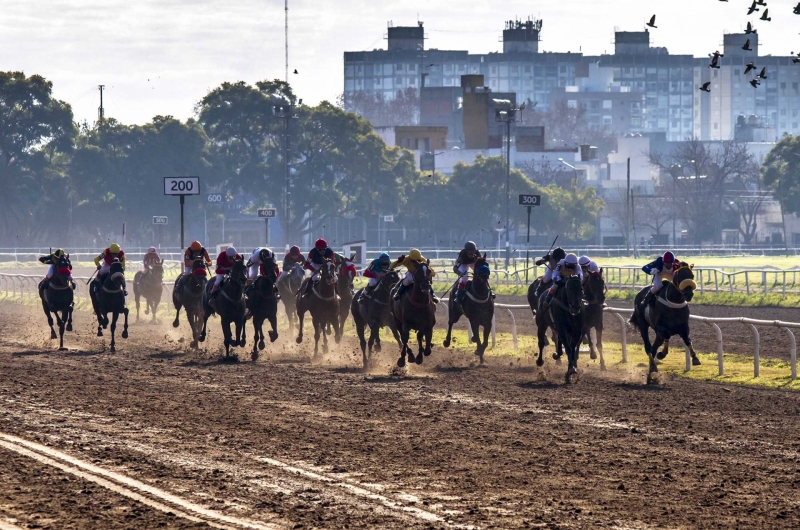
x=286, y=30
x=101, y=112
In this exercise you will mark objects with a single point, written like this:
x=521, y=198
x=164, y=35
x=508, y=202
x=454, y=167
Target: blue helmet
x=384, y=257
x=483, y=270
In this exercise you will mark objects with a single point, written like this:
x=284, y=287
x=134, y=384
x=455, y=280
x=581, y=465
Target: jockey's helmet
x=151, y=250
x=571, y=261
x=321, y=244
x=669, y=258
x=559, y=254
x=483, y=271
x=470, y=247
x=265, y=254
x=384, y=257
x=294, y=251
x=584, y=261
x=230, y=252
x=415, y=255
x=59, y=252
x=114, y=248
x=195, y=245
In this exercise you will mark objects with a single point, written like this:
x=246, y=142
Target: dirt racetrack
x=158, y=436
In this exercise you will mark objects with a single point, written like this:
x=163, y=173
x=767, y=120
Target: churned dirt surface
x=284, y=442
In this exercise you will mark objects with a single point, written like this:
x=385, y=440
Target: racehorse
x=344, y=288
x=263, y=305
x=566, y=317
x=230, y=306
x=373, y=312
x=594, y=289
x=533, y=302
x=57, y=298
x=110, y=298
x=668, y=316
x=415, y=310
x=323, y=303
x=149, y=285
x=188, y=293
x=288, y=284
x=478, y=306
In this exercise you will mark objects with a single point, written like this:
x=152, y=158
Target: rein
x=318, y=295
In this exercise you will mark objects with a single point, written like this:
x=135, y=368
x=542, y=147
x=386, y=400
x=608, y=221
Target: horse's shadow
x=643, y=386
x=539, y=385
x=166, y=355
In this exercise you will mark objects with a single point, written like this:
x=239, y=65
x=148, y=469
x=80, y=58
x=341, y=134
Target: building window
x=607, y=120
x=398, y=67
x=562, y=69
x=607, y=103
x=527, y=69
x=398, y=82
x=783, y=86
x=794, y=125
x=736, y=72
x=716, y=126
x=412, y=67
x=572, y=104
x=515, y=69
x=494, y=69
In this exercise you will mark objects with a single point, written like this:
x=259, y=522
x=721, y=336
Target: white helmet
x=230, y=252
x=151, y=250
x=571, y=259
x=584, y=261
x=593, y=267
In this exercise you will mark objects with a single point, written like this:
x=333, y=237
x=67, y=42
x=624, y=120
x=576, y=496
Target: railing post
x=792, y=352
x=756, y=351
x=720, y=366
x=783, y=291
x=764, y=281
x=747, y=282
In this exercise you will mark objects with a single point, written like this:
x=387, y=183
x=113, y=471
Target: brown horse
x=289, y=283
x=150, y=285
x=345, y=290
x=478, y=306
x=57, y=298
x=415, y=310
x=188, y=293
x=108, y=296
x=323, y=303
x=668, y=316
x=594, y=296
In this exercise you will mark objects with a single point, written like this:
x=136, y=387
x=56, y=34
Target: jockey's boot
x=276, y=291
x=548, y=297
x=368, y=291
x=400, y=291
x=125, y=288
x=491, y=293
x=433, y=296
x=649, y=299
x=461, y=293
x=212, y=300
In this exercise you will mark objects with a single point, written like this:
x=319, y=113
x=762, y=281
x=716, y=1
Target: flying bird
x=761, y=2
x=717, y=54
x=763, y=73
x=705, y=86
x=765, y=15
x=754, y=83
x=746, y=46
x=796, y=60
x=749, y=29
x=652, y=22
x=753, y=8
x=750, y=68
x=797, y=9
x=714, y=61
x=295, y=70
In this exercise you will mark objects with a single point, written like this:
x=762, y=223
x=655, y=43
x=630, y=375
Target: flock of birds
x=754, y=7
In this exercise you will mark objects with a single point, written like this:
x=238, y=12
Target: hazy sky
x=162, y=56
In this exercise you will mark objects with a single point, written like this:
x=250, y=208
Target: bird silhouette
x=797, y=9
x=705, y=86
x=714, y=61
x=765, y=15
x=652, y=22
x=295, y=71
x=796, y=60
x=753, y=8
x=763, y=73
x=750, y=68
x=749, y=29
x=761, y=2
x=746, y=46
x=717, y=54
x=754, y=83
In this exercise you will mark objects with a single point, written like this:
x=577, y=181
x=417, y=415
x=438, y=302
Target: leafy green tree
x=34, y=129
x=781, y=174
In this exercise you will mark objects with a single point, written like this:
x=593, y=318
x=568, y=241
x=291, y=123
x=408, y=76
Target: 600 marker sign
x=181, y=185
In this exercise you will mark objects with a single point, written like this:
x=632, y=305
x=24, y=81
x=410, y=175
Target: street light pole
x=506, y=112
x=283, y=109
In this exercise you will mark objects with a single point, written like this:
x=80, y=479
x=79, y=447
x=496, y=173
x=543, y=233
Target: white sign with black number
x=181, y=185
x=267, y=213
x=159, y=219
x=388, y=218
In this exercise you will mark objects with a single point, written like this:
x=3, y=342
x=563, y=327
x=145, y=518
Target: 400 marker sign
x=181, y=185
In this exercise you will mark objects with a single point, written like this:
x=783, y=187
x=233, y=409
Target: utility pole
x=628, y=211
x=101, y=112
x=286, y=35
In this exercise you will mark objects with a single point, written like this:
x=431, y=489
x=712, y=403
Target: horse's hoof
x=261, y=345
x=571, y=377
x=69, y=327
x=299, y=340
x=273, y=336
x=556, y=356
x=53, y=335
x=419, y=358
x=99, y=332
x=695, y=361
x=593, y=356
x=254, y=356
x=481, y=358
x=446, y=343
x=105, y=325
x=401, y=362
x=427, y=351
x=113, y=349
x=474, y=339
x=540, y=362
x=175, y=324
x=603, y=367
x=411, y=358
x=193, y=344
x=660, y=355
x=125, y=334
x=62, y=348
x=202, y=338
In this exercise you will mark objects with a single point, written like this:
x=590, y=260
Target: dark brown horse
x=478, y=306
x=415, y=310
x=57, y=298
x=150, y=285
x=263, y=305
x=323, y=303
x=373, y=312
x=289, y=283
x=345, y=290
x=109, y=297
x=188, y=293
x=230, y=306
x=668, y=316
x=565, y=315
x=594, y=294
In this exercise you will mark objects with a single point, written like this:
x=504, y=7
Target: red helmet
x=294, y=251
x=321, y=244
x=669, y=258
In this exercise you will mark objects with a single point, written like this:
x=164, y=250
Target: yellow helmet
x=415, y=255
x=114, y=248
x=59, y=252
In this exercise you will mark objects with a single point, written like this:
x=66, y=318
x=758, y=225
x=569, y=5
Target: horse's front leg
x=114, y=317
x=541, y=338
x=317, y=331
x=125, y=323
x=428, y=341
x=241, y=332
x=486, y=331
x=227, y=338
x=300, y=316
x=421, y=348
x=599, y=340
x=176, y=322
x=69, y=317
x=49, y=321
x=62, y=322
x=273, y=321
x=684, y=334
x=404, y=349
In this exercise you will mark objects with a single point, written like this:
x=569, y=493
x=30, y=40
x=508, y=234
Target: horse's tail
x=634, y=318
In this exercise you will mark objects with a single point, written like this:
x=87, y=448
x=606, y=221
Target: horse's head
x=198, y=264
x=298, y=271
x=595, y=287
x=328, y=272
x=481, y=261
x=116, y=273
x=684, y=281
x=574, y=294
x=269, y=269
x=61, y=276
x=239, y=272
x=422, y=276
x=157, y=270
x=482, y=272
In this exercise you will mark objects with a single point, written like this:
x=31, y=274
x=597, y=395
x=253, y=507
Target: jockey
x=566, y=267
x=258, y=262
x=375, y=271
x=150, y=259
x=56, y=258
x=225, y=262
x=464, y=262
x=195, y=252
x=292, y=258
x=663, y=269
x=316, y=257
x=107, y=257
x=411, y=262
x=551, y=261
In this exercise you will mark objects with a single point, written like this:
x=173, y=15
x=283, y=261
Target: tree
x=403, y=109
x=544, y=173
x=746, y=201
x=781, y=174
x=34, y=129
x=653, y=211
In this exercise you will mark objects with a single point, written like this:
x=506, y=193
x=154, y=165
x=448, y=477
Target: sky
x=160, y=57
